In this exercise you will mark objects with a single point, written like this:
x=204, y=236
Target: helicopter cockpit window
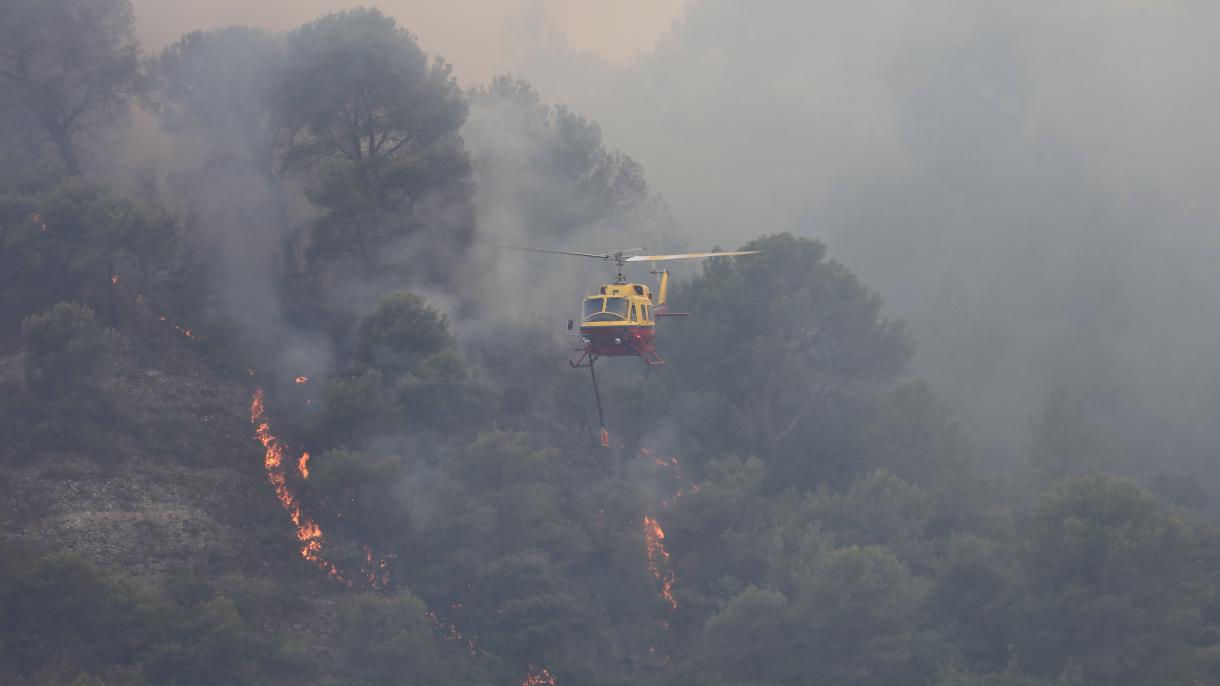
x=615, y=309
x=617, y=306
x=592, y=307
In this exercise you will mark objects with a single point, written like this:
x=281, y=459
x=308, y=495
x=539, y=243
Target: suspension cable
x=600, y=418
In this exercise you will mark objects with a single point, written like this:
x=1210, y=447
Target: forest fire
x=377, y=573
x=301, y=380
x=179, y=328
x=450, y=631
x=654, y=535
x=308, y=532
x=676, y=469
x=303, y=465
x=139, y=300
x=539, y=677
x=658, y=560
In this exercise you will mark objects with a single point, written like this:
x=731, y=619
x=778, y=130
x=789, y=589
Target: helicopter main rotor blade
x=604, y=256
x=688, y=256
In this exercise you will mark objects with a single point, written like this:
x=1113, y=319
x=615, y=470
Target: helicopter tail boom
x=663, y=288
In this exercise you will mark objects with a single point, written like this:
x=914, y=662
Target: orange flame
x=450, y=631
x=676, y=470
x=139, y=300
x=658, y=560
x=301, y=379
x=303, y=465
x=378, y=574
x=179, y=328
x=308, y=532
x=539, y=677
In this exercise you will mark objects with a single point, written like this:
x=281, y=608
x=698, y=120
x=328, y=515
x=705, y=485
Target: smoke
x=1031, y=185
x=204, y=142
x=544, y=179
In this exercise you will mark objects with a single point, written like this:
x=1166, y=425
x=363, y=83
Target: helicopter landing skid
x=651, y=358
x=586, y=359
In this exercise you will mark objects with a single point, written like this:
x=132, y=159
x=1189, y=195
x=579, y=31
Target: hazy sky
x=467, y=33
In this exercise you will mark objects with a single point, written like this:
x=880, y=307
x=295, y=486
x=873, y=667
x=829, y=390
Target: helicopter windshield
x=592, y=307
x=615, y=308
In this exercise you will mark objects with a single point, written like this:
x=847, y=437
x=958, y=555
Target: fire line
x=658, y=560
x=308, y=532
x=539, y=677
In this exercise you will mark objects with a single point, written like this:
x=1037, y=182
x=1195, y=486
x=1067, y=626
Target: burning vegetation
x=375, y=571
x=658, y=560
x=539, y=677
x=307, y=531
x=451, y=632
x=659, y=564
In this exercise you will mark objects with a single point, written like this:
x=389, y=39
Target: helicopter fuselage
x=618, y=321
x=619, y=341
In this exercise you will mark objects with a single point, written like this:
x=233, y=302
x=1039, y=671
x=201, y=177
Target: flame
x=450, y=631
x=676, y=469
x=658, y=560
x=178, y=327
x=378, y=574
x=114, y=278
x=654, y=535
x=309, y=534
x=303, y=465
x=539, y=677
x=301, y=379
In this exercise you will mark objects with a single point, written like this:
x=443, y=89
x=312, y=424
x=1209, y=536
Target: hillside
x=178, y=491
x=278, y=408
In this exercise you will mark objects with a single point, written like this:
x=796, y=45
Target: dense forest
x=276, y=409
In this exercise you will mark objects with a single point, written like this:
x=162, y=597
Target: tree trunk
x=64, y=145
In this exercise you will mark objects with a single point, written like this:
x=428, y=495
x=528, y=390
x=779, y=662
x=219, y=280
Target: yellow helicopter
x=620, y=319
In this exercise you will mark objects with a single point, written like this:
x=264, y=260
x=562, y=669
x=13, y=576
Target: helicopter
x=620, y=319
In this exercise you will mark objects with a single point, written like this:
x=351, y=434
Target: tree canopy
x=72, y=65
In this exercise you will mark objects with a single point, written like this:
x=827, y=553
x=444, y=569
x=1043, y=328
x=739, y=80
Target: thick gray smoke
x=207, y=137
x=544, y=179
x=1032, y=185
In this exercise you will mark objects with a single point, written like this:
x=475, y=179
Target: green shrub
x=66, y=349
